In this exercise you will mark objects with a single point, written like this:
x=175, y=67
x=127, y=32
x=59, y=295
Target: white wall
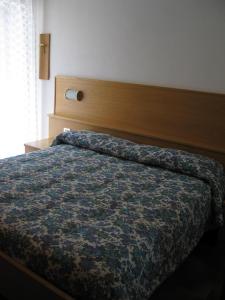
x=177, y=43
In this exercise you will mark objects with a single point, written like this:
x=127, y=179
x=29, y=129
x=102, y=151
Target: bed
x=97, y=216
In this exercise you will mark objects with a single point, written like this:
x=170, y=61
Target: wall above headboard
x=169, y=43
x=157, y=115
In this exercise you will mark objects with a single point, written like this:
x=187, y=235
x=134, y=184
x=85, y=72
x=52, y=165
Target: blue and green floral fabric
x=105, y=218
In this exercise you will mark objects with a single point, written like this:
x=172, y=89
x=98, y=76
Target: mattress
x=105, y=218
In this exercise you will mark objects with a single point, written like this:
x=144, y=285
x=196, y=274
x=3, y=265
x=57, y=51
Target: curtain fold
x=18, y=95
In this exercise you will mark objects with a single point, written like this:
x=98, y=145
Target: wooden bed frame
x=189, y=120
x=167, y=117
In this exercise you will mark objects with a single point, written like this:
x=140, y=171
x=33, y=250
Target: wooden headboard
x=189, y=120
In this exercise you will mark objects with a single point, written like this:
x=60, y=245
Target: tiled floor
x=201, y=277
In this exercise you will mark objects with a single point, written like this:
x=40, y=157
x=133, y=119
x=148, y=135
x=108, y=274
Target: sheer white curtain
x=18, y=96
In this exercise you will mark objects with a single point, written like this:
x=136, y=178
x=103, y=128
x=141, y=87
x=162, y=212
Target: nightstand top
x=38, y=145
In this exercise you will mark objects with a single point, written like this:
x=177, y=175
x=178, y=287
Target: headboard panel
x=168, y=117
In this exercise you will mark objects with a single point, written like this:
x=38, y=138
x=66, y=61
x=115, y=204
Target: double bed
x=97, y=216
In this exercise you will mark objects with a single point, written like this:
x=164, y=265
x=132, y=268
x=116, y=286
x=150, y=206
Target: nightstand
x=38, y=145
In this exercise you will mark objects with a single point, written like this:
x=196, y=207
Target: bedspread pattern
x=111, y=223
x=179, y=161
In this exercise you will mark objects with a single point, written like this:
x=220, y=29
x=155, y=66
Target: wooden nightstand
x=38, y=145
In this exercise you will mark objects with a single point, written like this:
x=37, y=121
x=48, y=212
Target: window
x=18, y=95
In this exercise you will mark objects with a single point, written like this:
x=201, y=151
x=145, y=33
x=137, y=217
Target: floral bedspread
x=105, y=218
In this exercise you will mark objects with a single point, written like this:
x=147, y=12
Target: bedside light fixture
x=73, y=95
